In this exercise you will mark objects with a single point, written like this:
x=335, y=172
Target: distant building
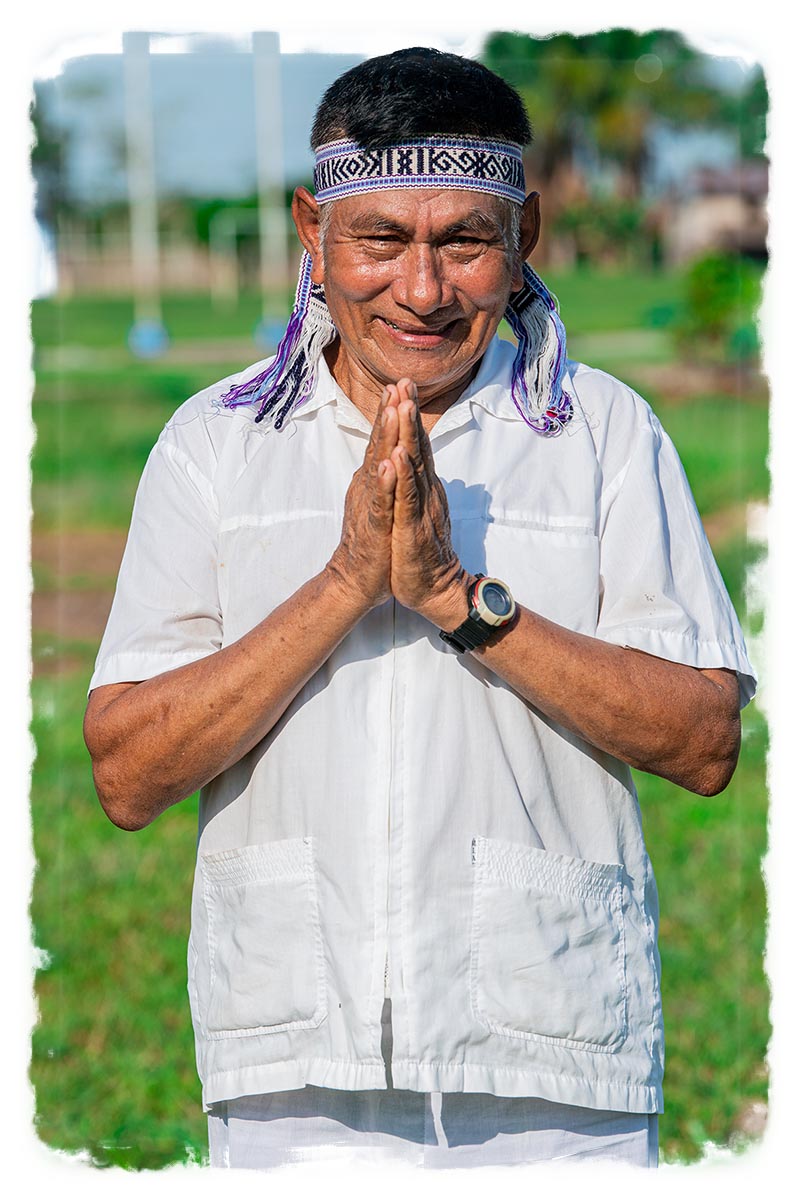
x=722, y=209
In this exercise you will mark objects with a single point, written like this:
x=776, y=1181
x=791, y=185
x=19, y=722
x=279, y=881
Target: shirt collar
x=490, y=389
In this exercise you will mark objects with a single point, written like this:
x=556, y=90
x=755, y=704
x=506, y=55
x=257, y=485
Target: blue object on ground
x=148, y=339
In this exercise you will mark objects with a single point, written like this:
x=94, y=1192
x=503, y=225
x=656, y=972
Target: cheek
x=356, y=283
x=487, y=286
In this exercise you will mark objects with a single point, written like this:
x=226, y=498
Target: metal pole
x=148, y=336
x=274, y=256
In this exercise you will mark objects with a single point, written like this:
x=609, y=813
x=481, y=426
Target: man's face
x=416, y=282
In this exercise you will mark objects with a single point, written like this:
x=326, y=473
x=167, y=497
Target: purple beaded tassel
x=291, y=375
x=538, y=371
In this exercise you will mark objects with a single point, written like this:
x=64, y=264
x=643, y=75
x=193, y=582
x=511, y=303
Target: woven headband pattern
x=345, y=169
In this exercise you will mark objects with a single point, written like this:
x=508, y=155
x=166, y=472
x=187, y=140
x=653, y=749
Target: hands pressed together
x=396, y=530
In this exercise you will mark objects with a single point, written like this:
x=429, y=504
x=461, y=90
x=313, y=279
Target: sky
x=204, y=118
x=37, y=40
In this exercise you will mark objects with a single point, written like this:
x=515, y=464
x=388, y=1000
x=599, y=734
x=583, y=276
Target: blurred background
x=163, y=170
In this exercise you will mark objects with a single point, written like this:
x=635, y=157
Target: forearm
x=662, y=717
x=155, y=742
x=659, y=716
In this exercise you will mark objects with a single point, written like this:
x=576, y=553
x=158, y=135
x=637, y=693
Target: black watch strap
x=474, y=631
x=469, y=635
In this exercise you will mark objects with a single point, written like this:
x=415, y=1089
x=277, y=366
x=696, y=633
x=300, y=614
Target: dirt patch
x=90, y=554
x=74, y=616
x=677, y=382
x=77, y=570
x=725, y=523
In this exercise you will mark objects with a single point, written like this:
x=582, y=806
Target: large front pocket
x=267, y=969
x=548, y=946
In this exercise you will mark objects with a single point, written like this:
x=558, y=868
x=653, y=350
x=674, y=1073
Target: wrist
x=450, y=607
x=344, y=592
x=491, y=610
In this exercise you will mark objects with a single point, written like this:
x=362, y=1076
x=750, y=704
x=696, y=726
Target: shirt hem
x=432, y=1077
x=289, y=1076
x=603, y=1094
x=133, y=667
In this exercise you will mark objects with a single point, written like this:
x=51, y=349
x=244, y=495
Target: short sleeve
x=660, y=588
x=166, y=609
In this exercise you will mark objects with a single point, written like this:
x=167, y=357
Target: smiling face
x=416, y=282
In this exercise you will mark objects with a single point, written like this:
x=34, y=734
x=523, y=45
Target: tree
x=600, y=94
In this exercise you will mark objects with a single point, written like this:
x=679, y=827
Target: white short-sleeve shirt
x=411, y=825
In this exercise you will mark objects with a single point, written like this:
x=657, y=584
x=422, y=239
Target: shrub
x=717, y=316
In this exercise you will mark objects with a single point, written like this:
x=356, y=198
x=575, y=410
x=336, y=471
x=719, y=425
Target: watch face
x=496, y=599
x=494, y=603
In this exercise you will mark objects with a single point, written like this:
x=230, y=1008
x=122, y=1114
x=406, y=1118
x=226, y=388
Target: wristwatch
x=491, y=607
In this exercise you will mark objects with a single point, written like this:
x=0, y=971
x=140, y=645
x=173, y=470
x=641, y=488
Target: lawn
x=113, y=1061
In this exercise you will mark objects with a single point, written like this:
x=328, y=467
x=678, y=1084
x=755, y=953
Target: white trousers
x=427, y=1129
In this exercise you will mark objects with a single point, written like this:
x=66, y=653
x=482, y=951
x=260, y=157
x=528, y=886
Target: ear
x=530, y=225
x=305, y=214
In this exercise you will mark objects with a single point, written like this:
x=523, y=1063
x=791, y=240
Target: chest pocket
x=552, y=569
x=265, y=558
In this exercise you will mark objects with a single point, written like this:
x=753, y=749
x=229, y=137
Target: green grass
x=112, y=1056
x=706, y=855
x=723, y=443
x=93, y=436
x=105, y=321
x=597, y=302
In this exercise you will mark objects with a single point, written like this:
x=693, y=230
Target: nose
x=420, y=284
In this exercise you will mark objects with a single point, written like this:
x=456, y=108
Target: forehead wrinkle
x=377, y=222
x=476, y=220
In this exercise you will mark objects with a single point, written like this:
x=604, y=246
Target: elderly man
x=405, y=602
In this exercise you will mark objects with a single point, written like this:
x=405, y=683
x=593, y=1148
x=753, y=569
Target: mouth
x=418, y=337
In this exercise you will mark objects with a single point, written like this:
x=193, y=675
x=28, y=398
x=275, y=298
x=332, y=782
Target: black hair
x=416, y=92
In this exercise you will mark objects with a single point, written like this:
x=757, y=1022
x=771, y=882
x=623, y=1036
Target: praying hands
x=396, y=530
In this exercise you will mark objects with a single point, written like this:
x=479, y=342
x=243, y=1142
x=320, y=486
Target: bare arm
x=663, y=717
x=153, y=743
x=659, y=716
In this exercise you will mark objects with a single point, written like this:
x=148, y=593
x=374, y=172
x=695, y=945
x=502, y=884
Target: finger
x=408, y=435
x=426, y=451
x=407, y=389
x=387, y=480
x=390, y=426
x=406, y=492
x=377, y=424
x=380, y=499
x=419, y=445
x=383, y=437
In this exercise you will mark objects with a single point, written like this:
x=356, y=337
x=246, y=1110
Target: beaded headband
x=344, y=169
